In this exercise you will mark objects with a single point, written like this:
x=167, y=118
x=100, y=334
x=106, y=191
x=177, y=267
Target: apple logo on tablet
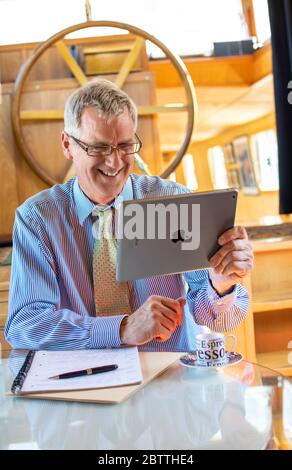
x=179, y=236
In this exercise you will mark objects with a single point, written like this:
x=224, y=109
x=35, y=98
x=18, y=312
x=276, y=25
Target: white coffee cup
x=211, y=349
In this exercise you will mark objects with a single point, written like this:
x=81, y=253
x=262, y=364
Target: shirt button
x=219, y=302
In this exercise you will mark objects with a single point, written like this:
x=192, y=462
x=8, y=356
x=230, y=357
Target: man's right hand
x=157, y=318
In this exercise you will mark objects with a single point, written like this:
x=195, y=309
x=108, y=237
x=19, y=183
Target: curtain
x=280, y=12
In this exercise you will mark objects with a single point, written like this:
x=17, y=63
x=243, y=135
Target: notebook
x=153, y=364
x=38, y=366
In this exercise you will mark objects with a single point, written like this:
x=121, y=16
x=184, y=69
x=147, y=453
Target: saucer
x=189, y=360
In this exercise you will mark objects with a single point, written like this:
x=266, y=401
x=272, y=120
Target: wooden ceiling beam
x=248, y=12
x=217, y=71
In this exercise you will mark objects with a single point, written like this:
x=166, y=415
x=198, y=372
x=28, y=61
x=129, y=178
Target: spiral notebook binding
x=20, y=378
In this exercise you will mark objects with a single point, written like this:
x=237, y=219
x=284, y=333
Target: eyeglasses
x=98, y=151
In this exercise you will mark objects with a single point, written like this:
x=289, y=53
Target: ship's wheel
x=19, y=115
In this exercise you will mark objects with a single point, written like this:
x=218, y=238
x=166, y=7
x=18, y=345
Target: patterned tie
x=111, y=297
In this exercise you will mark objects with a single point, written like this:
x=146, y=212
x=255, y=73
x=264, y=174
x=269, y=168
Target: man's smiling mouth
x=110, y=174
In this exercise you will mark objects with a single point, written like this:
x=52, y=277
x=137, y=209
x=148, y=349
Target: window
x=262, y=20
x=265, y=144
x=188, y=165
x=217, y=167
x=202, y=21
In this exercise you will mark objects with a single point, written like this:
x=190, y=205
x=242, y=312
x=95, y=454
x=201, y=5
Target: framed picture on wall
x=231, y=166
x=229, y=154
x=246, y=171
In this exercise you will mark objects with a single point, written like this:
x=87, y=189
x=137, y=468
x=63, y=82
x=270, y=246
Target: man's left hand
x=233, y=261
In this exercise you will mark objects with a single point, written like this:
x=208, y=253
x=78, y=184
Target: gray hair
x=101, y=94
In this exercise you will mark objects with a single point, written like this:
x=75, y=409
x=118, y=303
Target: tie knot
x=105, y=215
x=105, y=224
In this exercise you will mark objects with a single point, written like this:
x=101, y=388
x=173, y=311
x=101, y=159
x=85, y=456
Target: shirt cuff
x=105, y=332
x=221, y=304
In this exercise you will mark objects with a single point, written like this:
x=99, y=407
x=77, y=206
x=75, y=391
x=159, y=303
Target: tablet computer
x=171, y=234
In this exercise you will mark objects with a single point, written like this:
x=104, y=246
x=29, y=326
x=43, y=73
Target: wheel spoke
x=71, y=62
x=58, y=114
x=42, y=115
x=129, y=62
x=165, y=108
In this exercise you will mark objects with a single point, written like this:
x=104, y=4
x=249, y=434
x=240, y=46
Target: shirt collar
x=84, y=206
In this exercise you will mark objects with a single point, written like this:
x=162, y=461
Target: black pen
x=90, y=371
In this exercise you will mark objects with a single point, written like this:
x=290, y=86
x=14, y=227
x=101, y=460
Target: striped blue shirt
x=51, y=301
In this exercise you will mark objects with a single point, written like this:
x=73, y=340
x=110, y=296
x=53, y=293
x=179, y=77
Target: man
x=61, y=282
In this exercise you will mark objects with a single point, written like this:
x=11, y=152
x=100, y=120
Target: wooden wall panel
x=49, y=66
x=43, y=137
x=9, y=197
x=10, y=62
x=254, y=207
x=28, y=182
x=4, y=286
x=273, y=331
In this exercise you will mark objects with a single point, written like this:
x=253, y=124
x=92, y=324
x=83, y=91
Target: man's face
x=90, y=171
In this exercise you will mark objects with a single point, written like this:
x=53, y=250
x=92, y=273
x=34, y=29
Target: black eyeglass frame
x=87, y=147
